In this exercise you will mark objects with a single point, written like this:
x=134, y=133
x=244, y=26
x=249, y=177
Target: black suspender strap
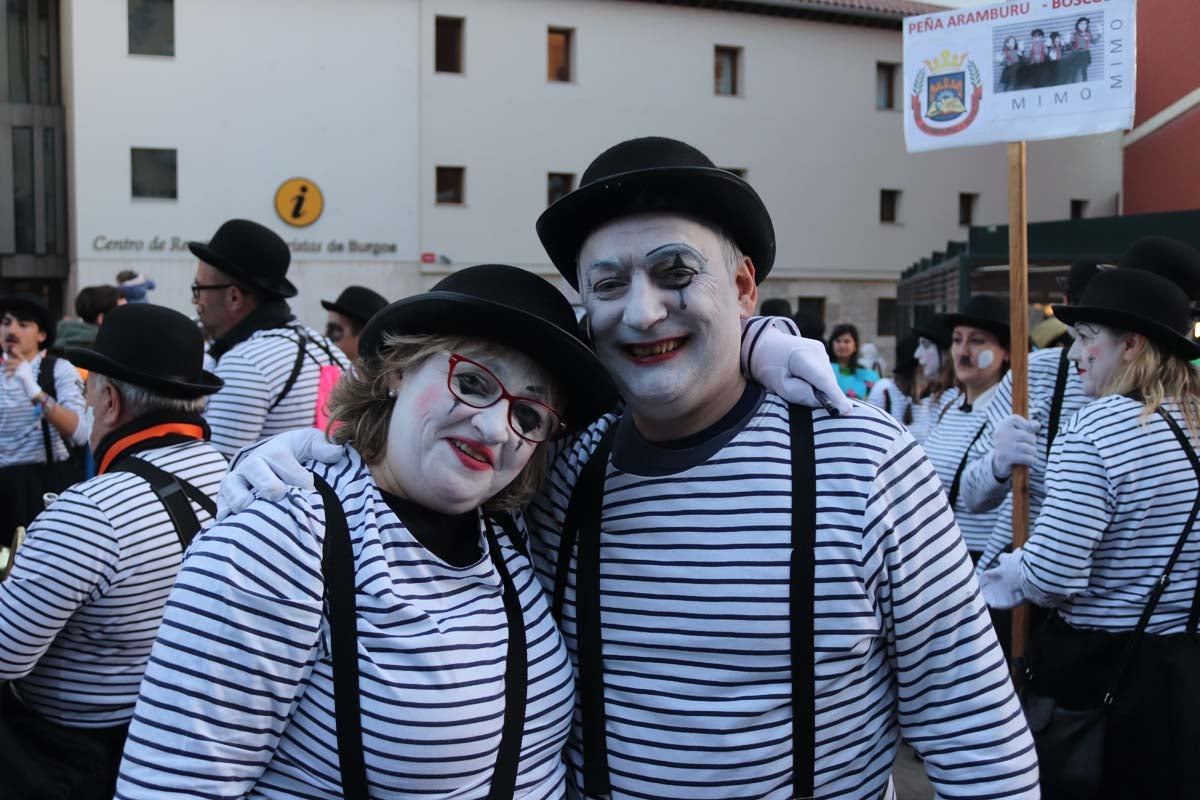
x=173, y=493
x=1186, y=444
x=45, y=379
x=338, y=570
x=582, y=525
x=1056, y=400
x=962, y=465
x=592, y=471
x=803, y=583
x=295, y=373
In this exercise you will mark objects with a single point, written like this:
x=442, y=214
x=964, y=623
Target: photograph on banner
x=1018, y=71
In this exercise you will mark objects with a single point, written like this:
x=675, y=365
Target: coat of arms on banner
x=940, y=103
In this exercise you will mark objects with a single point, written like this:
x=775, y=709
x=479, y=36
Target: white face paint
x=978, y=357
x=1098, y=352
x=665, y=315
x=929, y=357
x=429, y=430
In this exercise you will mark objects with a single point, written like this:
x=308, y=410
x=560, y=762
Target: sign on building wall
x=1017, y=71
x=299, y=202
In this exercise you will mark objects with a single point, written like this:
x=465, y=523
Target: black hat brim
x=710, y=194
x=590, y=391
x=281, y=287
x=934, y=335
x=92, y=361
x=1161, y=334
x=1001, y=330
x=348, y=313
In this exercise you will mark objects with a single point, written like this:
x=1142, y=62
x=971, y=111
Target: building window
x=24, y=211
x=885, y=86
x=885, y=317
x=47, y=91
x=739, y=171
x=557, y=185
x=966, y=208
x=50, y=188
x=727, y=69
x=154, y=174
x=450, y=182
x=18, y=50
x=558, y=55
x=448, y=44
x=813, y=307
x=1079, y=209
x=152, y=27
x=889, y=205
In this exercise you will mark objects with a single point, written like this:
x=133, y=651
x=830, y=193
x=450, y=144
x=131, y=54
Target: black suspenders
x=338, y=571
x=1056, y=400
x=174, y=493
x=582, y=525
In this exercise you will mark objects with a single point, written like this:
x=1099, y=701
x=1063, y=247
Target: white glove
x=795, y=368
x=24, y=375
x=272, y=467
x=1001, y=585
x=1014, y=442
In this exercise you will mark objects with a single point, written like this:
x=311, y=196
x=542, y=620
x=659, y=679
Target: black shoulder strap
x=1186, y=444
x=962, y=465
x=291, y=381
x=173, y=493
x=337, y=568
x=803, y=583
x=1056, y=400
x=583, y=524
x=45, y=379
x=509, y=526
x=887, y=400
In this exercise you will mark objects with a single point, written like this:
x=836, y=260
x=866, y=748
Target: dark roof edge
x=816, y=11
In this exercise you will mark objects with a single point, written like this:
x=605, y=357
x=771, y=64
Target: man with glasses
x=273, y=366
x=347, y=315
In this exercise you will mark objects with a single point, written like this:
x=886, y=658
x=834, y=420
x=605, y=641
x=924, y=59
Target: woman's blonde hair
x=1159, y=376
x=360, y=409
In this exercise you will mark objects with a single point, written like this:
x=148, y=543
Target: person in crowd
x=1114, y=550
x=444, y=427
x=347, y=315
x=135, y=286
x=934, y=385
x=272, y=365
x=1055, y=394
x=979, y=350
x=91, y=304
x=855, y=380
x=870, y=358
x=894, y=394
x=775, y=307
x=41, y=406
x=683, y=501
x=809, y=326
x=79, y=611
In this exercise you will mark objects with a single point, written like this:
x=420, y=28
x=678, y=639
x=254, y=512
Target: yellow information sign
x=299, y=202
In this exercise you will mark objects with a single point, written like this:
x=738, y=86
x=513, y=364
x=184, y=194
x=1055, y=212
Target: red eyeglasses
x=475, y=385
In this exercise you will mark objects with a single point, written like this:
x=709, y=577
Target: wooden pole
x=1018, y=294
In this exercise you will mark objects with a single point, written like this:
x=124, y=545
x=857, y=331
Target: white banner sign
x=1019, y=70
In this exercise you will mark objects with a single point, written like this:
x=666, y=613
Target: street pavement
x=909, y=776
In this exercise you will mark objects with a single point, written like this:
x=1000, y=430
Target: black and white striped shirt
x=1118, y=494
x=955, y=429
x=695, y=555
x=255, y=372
x=238, y=696
x=21, y=439
x=79, y=611
x=980, y=489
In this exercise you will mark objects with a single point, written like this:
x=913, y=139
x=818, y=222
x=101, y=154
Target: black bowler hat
x=985, y=311
x=1138, y=301
x=934, y=330
x=251, y=253
x=357, y=303
x=152, y=347
x=657, y=174
x=30, y=306
x=1172, y=259
x=513, y=307
x=906, y=359
x=1076, y=280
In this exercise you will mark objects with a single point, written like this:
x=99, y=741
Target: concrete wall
x=345, y=94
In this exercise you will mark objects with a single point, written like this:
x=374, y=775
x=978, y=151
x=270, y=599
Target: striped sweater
x=79, y=611
x=255, y=373
x=695, y=552
x=955, y=429
x=1118, y=494
x=238, y=696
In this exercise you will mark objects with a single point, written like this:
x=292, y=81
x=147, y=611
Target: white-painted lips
x=655, y=348
x=478, y=455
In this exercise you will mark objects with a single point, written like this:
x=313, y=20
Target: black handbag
x=1071, y=741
